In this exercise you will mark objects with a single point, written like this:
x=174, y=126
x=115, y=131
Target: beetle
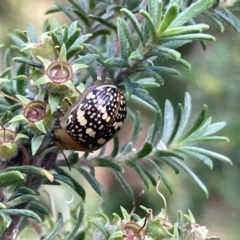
x=93, y=120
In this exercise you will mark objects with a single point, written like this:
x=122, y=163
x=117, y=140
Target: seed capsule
x=93, y=120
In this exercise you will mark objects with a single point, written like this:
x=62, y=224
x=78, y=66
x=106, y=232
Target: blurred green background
x=213, y=80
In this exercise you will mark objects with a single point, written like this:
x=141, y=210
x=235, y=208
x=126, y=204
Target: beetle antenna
x=66, y=160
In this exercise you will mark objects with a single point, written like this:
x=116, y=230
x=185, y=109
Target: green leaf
x=36, y=143
x=199, y=121
x=52, y=10
x=116, y=62
x=56, y=39
x=169, y=162
x=6, y=72
x=42, y=80
x=7, y=60
x=93, y=50
x=149, y=134
x=126, y=148
x=40, y=126
x=173, y=53
x=26, y=190
x=123, y=42
x=36, y=207
x=125, y=185
x=215, y=20
x=73, y=37
x=20, y=200
x=124, y=27
x=82, y=39
x=192, y=11
x=6, y=117
x=137, y=100
x=214, y=127
x=103, y=217
x=177, y=123
x=12, y=177
x=150, y=23
x=148, y=83
x=191, y=175
x=206, y=160
x=74, y=51
x=144, y=96
x=146, y=150
x=169, y=17
x=73, y=158
x=155, y=9
x=27, y=61
x=21, y=212
x=53, y=102
x=136, y=55
x=77, y=223
x=138, y=169
x=103, y=21
x=137, y=127
x=196, y=36
x=46, y=26
x=150, y=176
x=92, y=181
x=153, y=74
x=19, y=78
x=87, y=59
x=116, y=235
x=208, y=153
x=206, y=129
x=168, y=122
x=81, y=15
x=72, y=28
x=125, y=214
x=233, y=20
x=128, y=87
x=57, y=229
x=101, y=153
x=5, y=221
x=101, y=227
x=134, y=22
x=161, y=173
x=168, y=153
x=110, y=49
x=185, y=116
x=179, y=31
x=33, y=170
x=157, y=126
x=64, y=179
x=63, y=52
x=32, y=34
x=100, y=162
x=165, y=70
x=78, y=188
x=115, y=146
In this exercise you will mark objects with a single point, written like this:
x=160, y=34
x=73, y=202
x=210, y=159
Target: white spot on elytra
x=82, y=121
x=103, y=110
x=108, y=119
x=90, y=132
x=89, y=96
x=80, y=113
x=104, y=116
x=101, y=141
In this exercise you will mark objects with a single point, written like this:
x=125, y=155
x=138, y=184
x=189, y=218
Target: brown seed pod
x=93, y=120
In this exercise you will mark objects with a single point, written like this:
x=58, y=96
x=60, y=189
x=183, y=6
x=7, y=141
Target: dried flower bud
x=8, y=143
